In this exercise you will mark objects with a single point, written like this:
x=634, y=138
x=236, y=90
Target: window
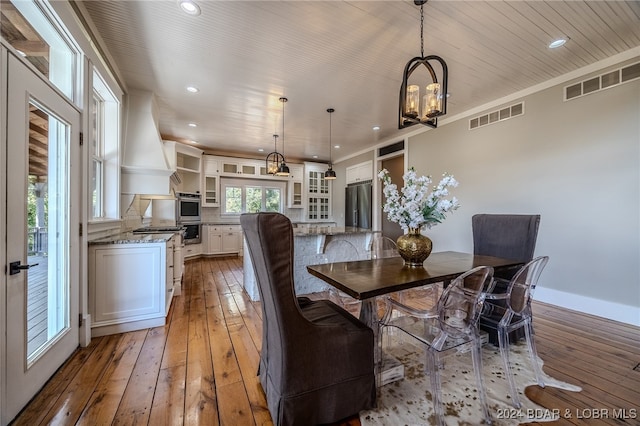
x=103, y=152
x=28, y=27
x=97, y=157
x=251, y=196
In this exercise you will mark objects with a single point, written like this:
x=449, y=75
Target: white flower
x=414, y=205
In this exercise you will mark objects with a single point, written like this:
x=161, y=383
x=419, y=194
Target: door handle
x=16, y=267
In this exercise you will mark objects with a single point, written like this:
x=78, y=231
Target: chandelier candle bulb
x=413, y=101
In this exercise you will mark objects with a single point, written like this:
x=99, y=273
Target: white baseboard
x=602, y=308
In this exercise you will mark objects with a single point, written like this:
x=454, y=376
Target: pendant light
x=274, y=158
x=434, y=102
x=330, y=174
x=283, y=169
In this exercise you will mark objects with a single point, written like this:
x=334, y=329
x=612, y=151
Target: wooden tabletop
x=362, y=279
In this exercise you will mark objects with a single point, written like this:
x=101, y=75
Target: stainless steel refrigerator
x=357, y=205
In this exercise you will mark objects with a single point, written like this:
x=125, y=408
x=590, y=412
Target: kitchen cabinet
x=178, y=264
x=130, y=285
x=359, y=172
x=318, y=192
x=223, y=239
x=191, y=250
x=211, y=182
x=295, y=186
x=186, y=161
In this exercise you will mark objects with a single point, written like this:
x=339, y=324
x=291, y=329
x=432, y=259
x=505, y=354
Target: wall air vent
x=603, y=81
x=394, y=147
x=498, y=115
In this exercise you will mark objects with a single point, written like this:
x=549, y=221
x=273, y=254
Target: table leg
x=369, y=316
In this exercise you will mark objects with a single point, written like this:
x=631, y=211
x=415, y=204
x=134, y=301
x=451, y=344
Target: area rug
x=408, y=401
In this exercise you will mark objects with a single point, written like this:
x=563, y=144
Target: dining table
x=368, y=279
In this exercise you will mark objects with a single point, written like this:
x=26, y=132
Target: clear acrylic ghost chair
x=516, y=313
x=341, y=251
x=383, y=247
x=451, y=327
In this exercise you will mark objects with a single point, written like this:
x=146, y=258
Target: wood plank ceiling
x=349, y=55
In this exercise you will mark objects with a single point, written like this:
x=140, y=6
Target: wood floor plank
x=200, y=398
x=72, y=401
x=201, y=368
x=104, y=402
x=43, y=402
x=136, y=402
x=167, y=408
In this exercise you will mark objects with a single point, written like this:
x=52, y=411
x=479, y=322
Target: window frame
x=244, y=184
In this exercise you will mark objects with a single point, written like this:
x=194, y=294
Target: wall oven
x=188, y=216
x=187, y=208
x=191, y=233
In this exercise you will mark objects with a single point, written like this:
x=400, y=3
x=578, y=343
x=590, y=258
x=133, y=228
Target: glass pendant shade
x=432, y=103
x=413, y=101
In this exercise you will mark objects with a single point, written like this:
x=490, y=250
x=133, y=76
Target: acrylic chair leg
x=503, y=338
x=533, y=354
x=436, y=391
x=476, y=356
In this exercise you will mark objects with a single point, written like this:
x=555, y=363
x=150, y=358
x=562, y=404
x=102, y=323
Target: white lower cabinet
x=223, y=239
x=130, y=286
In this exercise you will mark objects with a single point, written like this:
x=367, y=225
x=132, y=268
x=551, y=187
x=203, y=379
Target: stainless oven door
x=192, y=233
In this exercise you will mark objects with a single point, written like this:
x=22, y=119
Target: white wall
x=577, y=164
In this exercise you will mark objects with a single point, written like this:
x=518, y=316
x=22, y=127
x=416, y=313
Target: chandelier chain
x=422, y=30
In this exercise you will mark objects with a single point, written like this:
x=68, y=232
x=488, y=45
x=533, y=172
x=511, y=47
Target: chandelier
x=330, y=174
x=274, y=158
x=433, y=104
x=283, y=169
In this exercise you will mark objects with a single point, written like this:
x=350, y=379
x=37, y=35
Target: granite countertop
x=219, y=223
x=329, y=230
x=131, y=238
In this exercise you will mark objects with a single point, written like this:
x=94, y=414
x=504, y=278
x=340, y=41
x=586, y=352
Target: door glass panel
x=47, y=228
x=26, y=28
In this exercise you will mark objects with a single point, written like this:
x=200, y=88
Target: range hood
x=145, y=168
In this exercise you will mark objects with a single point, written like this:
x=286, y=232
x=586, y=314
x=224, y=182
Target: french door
x=42, y=217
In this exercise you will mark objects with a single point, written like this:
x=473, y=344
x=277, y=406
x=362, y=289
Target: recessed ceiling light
x=557, y=43
x=315, y=156
x=376, y=127
x=189, y=7
x=337, y=146
x=260, y=150
x=192, y=89
x=192, y=125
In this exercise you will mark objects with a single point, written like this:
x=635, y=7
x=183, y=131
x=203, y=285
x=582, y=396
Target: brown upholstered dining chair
x=510, y=236
x=316, y=362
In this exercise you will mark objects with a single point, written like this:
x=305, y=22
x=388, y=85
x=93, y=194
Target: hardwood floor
x=200, y=368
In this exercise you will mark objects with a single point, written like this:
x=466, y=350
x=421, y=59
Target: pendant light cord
x=330, y=162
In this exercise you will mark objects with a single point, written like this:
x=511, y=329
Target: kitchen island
x=309, y=249
x=131, y=281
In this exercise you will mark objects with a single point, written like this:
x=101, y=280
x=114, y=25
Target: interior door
x=43, y=198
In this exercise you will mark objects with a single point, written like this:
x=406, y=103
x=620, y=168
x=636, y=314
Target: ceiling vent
x=497, y=115
x=603, y=81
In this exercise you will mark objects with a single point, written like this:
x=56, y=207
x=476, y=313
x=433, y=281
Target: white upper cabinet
x=359, y=172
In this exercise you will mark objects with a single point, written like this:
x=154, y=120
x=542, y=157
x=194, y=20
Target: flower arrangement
x=415, y=206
